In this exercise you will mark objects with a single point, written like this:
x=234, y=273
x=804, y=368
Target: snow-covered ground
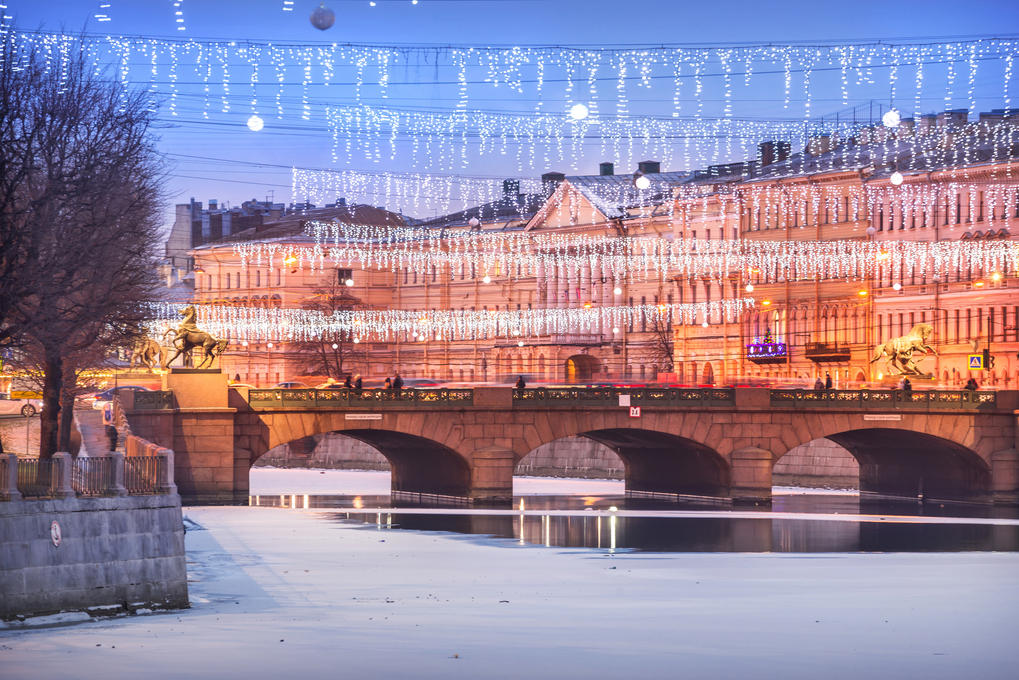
x=280, y=594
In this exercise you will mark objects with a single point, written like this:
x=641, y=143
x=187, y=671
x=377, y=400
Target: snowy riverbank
x=283, y=594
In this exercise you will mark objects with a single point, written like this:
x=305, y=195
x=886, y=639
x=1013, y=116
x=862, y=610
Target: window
x=258, y=278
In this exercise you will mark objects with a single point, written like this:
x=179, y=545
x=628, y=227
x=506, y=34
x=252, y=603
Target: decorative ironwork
x=381, y=398
x=556, y=397
x=824, y=352
x=923, y=400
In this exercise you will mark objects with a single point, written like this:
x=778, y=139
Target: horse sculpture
x=148, y=352
x=898, y=352
x=189, y=336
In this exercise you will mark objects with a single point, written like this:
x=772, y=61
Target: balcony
x=768, y=352
x=827, y=352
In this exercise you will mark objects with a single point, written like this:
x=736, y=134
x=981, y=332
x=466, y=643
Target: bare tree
x=79, y=202
x=333, y=356
x=660, y=348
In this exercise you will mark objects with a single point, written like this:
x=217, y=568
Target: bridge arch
x=921, y=454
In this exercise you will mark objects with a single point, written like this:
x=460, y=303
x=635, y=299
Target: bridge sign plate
x=635, y=411
x=976, y=362
x=362, y=416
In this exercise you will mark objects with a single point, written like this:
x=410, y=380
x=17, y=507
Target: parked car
x=293, y=385
x=26, y=407
x=243, y=385
x=101, y=399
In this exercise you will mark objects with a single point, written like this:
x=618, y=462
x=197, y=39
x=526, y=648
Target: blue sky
x=218, y=157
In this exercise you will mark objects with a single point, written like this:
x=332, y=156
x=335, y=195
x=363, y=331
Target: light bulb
x=487, y=279
x=891, y=118
x=269, y=345
x=357, y=340
x=862, y=293
x=896, y=178
x=516, y=332
x=349, y=282
x=766, y=302
x=705, y=324
x=642, y=182
x=335, y=346
x=617, y=290
x=244, y=343
x=750, y=288
x=474, y=222
x=615, y=330
x=871, y=231
x=781, y=279
x=896, y=286
x=578, y=112
x=255, y=123
x=520, y=343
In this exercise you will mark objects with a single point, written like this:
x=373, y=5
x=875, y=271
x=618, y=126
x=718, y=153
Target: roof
x=293, y=224
x=518, y=207
x=614, y=195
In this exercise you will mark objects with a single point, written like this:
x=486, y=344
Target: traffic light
x=988, y=360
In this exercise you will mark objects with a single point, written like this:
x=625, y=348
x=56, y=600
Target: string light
x=302, y=325
x=255, y=123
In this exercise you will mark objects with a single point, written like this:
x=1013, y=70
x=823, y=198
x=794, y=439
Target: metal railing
x=916, y=400
x=36, y=477
x=380, y=398
x=63, y=477
x=93, y=476
x=143, y=474
x=639, y=396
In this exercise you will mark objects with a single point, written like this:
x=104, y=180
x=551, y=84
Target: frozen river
x=306, y=593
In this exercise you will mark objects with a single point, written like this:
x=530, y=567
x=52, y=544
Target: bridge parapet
x=573, y=397
x=883, y=400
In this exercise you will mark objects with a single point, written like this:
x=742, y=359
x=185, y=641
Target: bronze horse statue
x=898, y=352
x=189, y=336
x=148, y=352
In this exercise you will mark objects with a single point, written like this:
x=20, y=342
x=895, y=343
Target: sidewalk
x=93, y=433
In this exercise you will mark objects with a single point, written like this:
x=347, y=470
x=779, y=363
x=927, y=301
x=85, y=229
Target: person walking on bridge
x=520, y=383
x=357, y=382
x=397, y=382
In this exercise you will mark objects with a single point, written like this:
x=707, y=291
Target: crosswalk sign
x=976, y=362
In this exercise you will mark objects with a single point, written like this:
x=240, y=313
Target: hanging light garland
x=854, y=68
x=618, y=259
x=302, y=325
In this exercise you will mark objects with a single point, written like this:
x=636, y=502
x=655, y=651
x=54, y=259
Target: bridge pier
x=750, y=475
x=1005, y=477
x=492, y=475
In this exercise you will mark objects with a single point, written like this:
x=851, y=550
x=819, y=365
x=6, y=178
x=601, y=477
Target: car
x=26, y=407
x=293, y=385
x=101, y=399
x=421, y=383
x=252, y=387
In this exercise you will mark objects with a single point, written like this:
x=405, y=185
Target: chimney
x=213, y=204
x=928, y=124
x=606, y=169
x=649, y=167
x=550, y=181
x=817, y=146
x=510, y=188
x=783, y=150
x=766, y=153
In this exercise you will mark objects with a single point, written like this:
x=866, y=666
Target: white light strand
x=301, y=325
x=519, y=255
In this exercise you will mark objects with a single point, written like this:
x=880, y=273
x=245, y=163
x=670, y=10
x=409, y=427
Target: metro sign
x=635, y=411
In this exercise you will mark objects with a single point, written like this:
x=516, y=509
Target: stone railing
x=916, y=400
x=610, y=396
x=407, y=398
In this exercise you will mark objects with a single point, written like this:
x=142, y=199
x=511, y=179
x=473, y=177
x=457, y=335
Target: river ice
x=284, y=594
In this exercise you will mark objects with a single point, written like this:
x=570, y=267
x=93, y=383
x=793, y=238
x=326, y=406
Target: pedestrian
x=901, y=385
x=347, y=384
x=818, y=385
x=971, y=384
x=388, y=385
x=397, y=382
x=907, y=386
x=357, y=381
x=520, y=383
x=827, y=380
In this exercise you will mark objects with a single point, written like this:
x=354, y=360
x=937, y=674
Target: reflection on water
x=707, y=534
x=602, y=529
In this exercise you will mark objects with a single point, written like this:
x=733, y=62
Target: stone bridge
x=939, y=445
